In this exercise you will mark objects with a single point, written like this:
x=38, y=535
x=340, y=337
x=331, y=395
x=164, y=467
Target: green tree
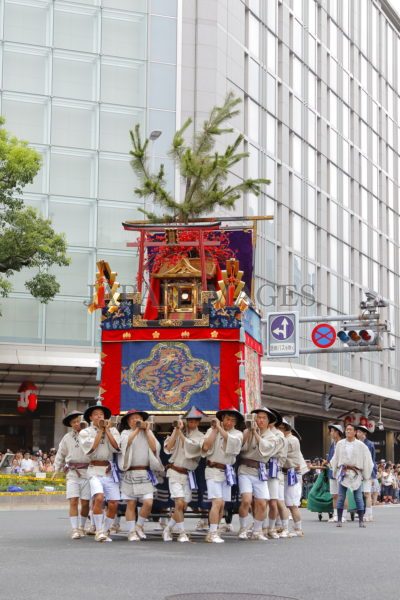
x=26, y=239
x=204, y=172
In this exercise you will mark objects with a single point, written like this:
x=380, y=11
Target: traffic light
x=358, y=337
x=326, y=401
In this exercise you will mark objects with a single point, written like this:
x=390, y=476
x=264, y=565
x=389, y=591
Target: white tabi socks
x=98, y=521
x=74, y=522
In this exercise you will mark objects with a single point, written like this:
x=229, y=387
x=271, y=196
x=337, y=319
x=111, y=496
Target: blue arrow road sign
x=282, y=327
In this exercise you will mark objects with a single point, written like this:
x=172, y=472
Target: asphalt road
x=38, y=561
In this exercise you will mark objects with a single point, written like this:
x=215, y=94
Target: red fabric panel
x=153, y=300
x=111, y=376
x=252, y=343
x=229, y=378
x=147, y=334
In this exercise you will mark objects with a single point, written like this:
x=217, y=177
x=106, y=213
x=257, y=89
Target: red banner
x=147, y=334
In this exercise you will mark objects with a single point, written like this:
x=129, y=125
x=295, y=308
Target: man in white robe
x=351, y=464
x=221, y=445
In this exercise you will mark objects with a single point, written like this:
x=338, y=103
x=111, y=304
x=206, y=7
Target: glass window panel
x=271, y=52
x=254, y=35
x=333, y=139
x=166, y=123
x=311, y=236
x=72, y=174
x=75, y=219
x=333, y=34
x=297, y=38
x=75, y=29
x=333, y=109
x=116, y=178
x=364, y=271
x=26, y=117
x=271, y=93
x=296, y=76
x=164, y=7
x=271, y=134
x=27, y=23
x=124, y=35
x=74, y=279
x=333, y=290
x=297, y=272
x=311, y=203
x=20, y=320
x=333, y=217
x=25, y=69
x=68, y=322
x=40, y=182
x=312, y=128
x=333, y=251
x=333, y=74
x=271, y=15
x=163, y=39
x=135, y=5
x=270, y=171
x=123, y=82
x=74, y=125
x=333, y=180
x=162, y=77
x=346, y=261
x=115, y=123
x=296, y=153
x=296, y=193
x=254, y=79
x=253, y=162
x=312, y=53
x=253, y=123
x=74, y=76
x=297, y=110
x=312, y=163
x=296, y=222
x=110, y=216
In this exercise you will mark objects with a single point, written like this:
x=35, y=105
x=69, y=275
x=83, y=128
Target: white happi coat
x=260, y=451
x=185, y=454
x=70, y=451
x=137, y=482
x=222, y=452
x=294, y=457
x=104, y=450
x=360, y=457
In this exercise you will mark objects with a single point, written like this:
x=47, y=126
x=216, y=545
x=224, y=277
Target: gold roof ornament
x=185, y=267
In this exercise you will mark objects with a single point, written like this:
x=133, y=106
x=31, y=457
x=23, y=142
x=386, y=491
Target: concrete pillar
x=389, y=454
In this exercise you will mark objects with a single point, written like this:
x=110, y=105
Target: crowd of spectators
x=26, y=463
x=386, y=488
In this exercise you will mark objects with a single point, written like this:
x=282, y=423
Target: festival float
x=190, y=333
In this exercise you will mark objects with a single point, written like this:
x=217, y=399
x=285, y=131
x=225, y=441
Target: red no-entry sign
x=323, y=335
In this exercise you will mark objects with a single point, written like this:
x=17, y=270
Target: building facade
x=320, y=84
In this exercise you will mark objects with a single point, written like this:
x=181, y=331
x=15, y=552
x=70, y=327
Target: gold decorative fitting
x=207, y=295
x=203, y=322
x=156, y=334
x=214, y=334
x=185, y=267
x=185, y=334
x=126, y=335
x=171, y=322
x=137, y=298
x=138, y=321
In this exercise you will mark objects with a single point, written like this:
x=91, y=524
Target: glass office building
x=76, y=77
x=320, y=84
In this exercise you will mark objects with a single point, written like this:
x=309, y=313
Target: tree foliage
x=26, y=239
x=204, y=172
